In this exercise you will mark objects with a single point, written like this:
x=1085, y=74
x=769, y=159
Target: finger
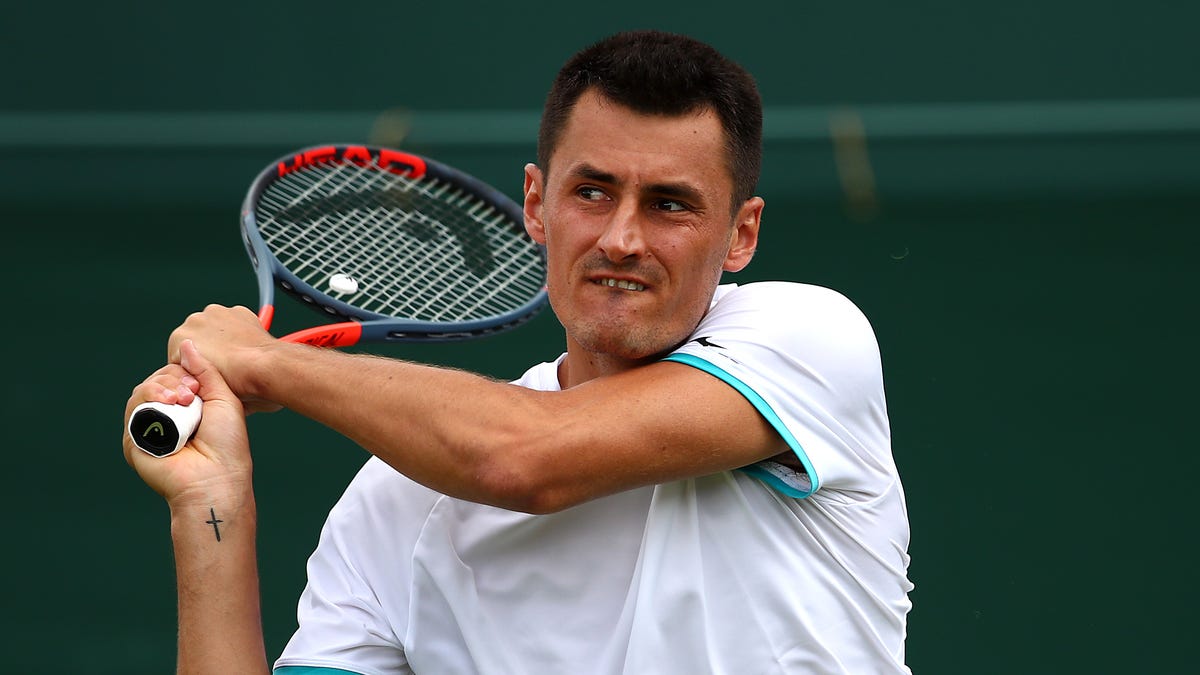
x=210, y=384
x=222, y=431
x=193, y=323
x=169, y=384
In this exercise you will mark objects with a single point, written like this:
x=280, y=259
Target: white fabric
x=718, y=574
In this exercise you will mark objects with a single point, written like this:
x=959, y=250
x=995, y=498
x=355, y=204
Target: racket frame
x=351, y=324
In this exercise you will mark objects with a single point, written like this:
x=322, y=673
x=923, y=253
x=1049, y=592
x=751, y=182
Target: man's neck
x=582, y=364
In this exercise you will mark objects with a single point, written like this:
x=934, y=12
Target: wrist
x=235, y=494
x=259, y=367
x=216, y=519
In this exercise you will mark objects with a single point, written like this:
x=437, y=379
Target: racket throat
x=266, y=315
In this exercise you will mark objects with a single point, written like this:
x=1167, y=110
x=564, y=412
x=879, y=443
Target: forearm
x=220, y=629
x=508, y=446
x=398, y=411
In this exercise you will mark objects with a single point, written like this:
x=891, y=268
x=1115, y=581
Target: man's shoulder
x=805, y=321
x=787, y=293
x=788, y=303
x=541, y=377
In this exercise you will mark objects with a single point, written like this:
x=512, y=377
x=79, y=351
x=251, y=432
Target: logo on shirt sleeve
x=704, y=342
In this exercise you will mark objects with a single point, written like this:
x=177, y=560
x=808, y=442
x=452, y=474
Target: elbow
x=523, y=480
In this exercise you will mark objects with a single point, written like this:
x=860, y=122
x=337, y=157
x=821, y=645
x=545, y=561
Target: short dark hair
x=657, y=73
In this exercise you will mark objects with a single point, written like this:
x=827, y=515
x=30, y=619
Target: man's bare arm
x=486, y=441
x=208, y=487
x=220, y=619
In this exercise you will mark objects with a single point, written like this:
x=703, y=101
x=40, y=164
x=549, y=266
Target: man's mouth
x=621, y=283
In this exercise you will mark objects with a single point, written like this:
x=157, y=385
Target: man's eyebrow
x=681, y=191
x=589, y=172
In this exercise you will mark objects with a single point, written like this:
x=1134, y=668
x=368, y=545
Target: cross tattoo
x=214, y=522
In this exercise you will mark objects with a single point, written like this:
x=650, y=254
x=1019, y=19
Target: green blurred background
x=1007, y=189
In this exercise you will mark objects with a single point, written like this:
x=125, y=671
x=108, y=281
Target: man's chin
x=626, y=344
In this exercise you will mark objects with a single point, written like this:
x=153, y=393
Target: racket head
x=400, y=246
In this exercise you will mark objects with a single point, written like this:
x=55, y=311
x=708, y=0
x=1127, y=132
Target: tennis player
x=702, y=483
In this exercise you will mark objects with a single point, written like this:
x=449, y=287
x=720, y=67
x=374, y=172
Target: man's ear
x=744, y=239
x=534, y=191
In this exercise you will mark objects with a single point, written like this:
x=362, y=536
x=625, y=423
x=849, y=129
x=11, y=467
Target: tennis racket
x=388, y=245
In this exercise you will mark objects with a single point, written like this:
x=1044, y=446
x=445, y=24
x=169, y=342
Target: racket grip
x=161, y=429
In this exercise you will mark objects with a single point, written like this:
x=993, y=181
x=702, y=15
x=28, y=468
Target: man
x=702, y=483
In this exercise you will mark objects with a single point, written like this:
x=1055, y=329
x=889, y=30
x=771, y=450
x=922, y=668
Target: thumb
x=212, y=385
x=222, y=431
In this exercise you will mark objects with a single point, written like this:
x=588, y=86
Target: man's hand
x=216, y=461
x=229, y=337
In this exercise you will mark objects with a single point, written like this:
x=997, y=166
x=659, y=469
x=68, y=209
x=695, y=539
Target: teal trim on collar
x=768, y=413
x=312, y=670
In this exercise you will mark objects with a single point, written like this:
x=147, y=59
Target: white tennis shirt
x=760, y=570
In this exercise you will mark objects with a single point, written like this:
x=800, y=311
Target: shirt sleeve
x=807, y=359
x=345, y=623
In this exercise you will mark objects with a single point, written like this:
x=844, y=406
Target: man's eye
x=591, y=193
x=670, y=205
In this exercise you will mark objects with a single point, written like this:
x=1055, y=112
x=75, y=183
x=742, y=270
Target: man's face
x=636, y=215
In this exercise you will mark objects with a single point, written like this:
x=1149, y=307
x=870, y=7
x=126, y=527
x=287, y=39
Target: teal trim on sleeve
x=768, y=413
x=312, y=670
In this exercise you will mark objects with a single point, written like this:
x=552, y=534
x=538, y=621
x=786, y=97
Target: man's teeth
x=621, y=283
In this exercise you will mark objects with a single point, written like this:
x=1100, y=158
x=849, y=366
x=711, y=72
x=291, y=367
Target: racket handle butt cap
x=161, y=429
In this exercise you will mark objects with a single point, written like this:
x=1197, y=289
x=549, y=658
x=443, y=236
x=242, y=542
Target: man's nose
x=623, y=238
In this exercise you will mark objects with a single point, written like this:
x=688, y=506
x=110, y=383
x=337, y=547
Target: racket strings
x=419, y=248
